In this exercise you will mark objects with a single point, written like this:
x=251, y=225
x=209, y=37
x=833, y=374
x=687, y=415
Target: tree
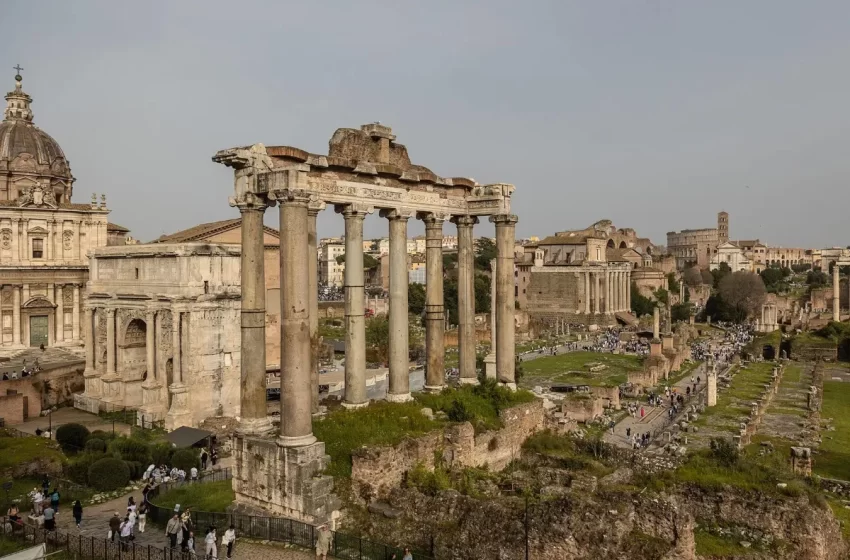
x=817, y=278
x=482, y=293
x=681, y=312
x=692, y=277
x=416, y=298
x=707, y=277
x=743, y=291
x=72, y=437
x=369, y=262
x=641, y=305
x=378, y=337
x=802, y=267
x=719, y=310
x=772, y=278
x=449, y=261
x=719, y=273
x=673, y=283
x=450, y=299
x=661, y=295
x=485, y=251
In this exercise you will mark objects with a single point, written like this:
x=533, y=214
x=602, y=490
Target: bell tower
x=722, y=227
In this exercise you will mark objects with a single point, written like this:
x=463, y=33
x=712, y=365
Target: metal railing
x=278, y=529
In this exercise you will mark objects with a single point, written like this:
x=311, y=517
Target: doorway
x=38, y=330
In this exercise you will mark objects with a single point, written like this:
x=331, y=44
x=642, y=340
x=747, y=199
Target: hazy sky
x=654, y=114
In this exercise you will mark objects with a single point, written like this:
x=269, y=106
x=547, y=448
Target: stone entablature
x=163, y=325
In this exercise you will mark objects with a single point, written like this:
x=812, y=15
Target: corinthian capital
x=504, y=219
x=249, y=201
x=290, y=196
x=464, y=221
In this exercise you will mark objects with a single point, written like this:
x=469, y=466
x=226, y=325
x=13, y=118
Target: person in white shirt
x=211, y=551
x=228, y=539
x=194, y=473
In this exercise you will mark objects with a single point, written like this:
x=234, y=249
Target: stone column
x=656, y=323
x=609, y=292
x=150, y=346
x=48, y=249
x=59, y=314
x=16, y=314
x=505, y=349
x=596, y=289
x=355, y=306
x=466, y=297
x=25, y=237
x=399, y=356
x=89, y=325
x=79, y=242
x=16, y=232
x=711, y=388
x=296, y=387
x=435, y=325
x=110, y=342
x=179, y=414
x=579, y=282
x=836, y=298
x=313, y=210
x=252, y=400
x=629, y=291
x=490, y=359
x=176, y=339
x=587, y=292
x=75, y=314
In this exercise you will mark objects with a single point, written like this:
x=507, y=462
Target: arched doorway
x=132, y=350
x=611, y=244
x=623, y=245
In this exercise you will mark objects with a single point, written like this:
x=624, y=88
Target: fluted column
x=16, y=314
x=59, y=314
x=586, y=292
x=596, y=289
x=399, y=356
x=25, y=236
x=296, y=388
x=48, y=249
x=836, y=296
x=89, y=325
x=75, y=313
x=252, y=400
x=16, y=232
x=313, y=210
x=355, y=306
x=505, y=335
x=435, y=322
x=176, y=340
x=629, y=291
x=150, y=346
x=606, y=277
x=466, y=297
x=110, y=342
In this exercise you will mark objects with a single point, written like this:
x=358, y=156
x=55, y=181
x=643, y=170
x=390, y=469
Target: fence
x=278, y=529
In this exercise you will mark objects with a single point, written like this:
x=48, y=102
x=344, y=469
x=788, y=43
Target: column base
x=354, y=406
x=490, y=366
x=296, y=441
x=254, y=426
x=111, y=388
x=433, y=388
x=469, y=381
x=179, y=414
x=399, y=398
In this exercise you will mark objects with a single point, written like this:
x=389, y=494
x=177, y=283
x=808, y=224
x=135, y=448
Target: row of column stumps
x=299, y=308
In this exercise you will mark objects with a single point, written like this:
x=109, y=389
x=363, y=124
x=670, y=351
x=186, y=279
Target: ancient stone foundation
x=285, y=481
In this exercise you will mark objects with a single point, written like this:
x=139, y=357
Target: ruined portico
x=365, y=171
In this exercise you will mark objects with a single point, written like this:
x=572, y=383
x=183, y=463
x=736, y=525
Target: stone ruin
x=801, y=461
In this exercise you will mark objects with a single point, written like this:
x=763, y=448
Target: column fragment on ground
x=466, y=298
x=254, y=418
x=355, y=306
x=505, y=306
x=435, y=324
x=399, y=357
x=296, y=413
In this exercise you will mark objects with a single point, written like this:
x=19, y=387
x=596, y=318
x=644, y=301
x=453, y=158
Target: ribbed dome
x=27, y=150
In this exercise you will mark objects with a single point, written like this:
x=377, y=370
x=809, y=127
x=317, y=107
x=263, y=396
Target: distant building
x=331, y=272
x=733, y=256
x=696, y=246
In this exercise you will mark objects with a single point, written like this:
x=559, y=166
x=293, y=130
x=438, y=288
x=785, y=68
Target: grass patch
x=746, y=385
x=573, y=368
x=684, y=372
x=833, y=458
x=478, y=404
x=587, y=455
x=329, y=331
x=381, y=423
x=207, y=496
x=842, y=514
x=17, y=450
x=714, y=546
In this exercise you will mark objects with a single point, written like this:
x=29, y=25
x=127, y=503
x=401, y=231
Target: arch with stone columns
x=364, y=172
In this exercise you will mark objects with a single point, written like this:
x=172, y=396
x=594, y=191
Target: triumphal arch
x=365, y=171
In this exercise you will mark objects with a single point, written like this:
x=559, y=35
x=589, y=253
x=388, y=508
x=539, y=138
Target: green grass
x=684, y=372
x=747, y=384
x=331, y=332
x=833, y=459
x=478, y=404
x=381, y=423
x=714, y=546
x=842, y=514
x=207, y=496
x=572, y=368
x=17, y=450
x=572, y=454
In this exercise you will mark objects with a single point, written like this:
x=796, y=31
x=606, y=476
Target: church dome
x=27, y=153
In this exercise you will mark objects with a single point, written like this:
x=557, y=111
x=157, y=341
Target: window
x=38, y=248
x=137, y=274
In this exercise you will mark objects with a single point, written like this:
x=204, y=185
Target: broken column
x=711, y=388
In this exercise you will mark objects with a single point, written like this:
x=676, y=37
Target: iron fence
x=278, y=529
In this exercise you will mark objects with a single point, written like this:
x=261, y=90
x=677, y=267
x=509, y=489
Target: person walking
x=210, y=548
x=77, y=511
x=213, y=457
x=193, y=473
x=407, y=554
x=228, y=539
x=204, y=458
x=186, y=526
x=114, y=526
x=143, y=516
x=49, y=518
x=323, y=542
x=126, y=533
x=54, y=500
x=190, y=544
x=172, y=528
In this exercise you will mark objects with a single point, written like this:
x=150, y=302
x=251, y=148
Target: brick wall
x=13, y=394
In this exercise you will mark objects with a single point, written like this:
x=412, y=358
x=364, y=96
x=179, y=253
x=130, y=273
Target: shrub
x=724, y=452
x=96, y=445
x=185, y=459
x=72, y=437
x=137, y=469
x=109, y=474
x=78, y=469
x=426, y=481
x=100, y=434
x=161, y=453
x=131, y=449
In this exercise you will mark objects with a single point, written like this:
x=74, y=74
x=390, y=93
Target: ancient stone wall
x=378, y=470
x=20, y=400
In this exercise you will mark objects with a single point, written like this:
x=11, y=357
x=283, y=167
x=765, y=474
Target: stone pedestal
x=110, y=388
x=655, y=347
x=179, y=414
x=667, y=341
x=490, y=365
x=284, y=481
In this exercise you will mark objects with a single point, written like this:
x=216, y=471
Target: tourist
x=45, y=484
x=14, y=514
x=131, y=504
x=126, y=533
x=228, y=539
x=190, y=544
x=49, y=518
x=143, y=516
x=323, y=542
x=172, y=529
x=407, y=554
x=54, y=500
x=131, y=516
x=114, y=526
x=77, y=511
x=213, y=457
x=186, y=526
x=210, y=549
x=204, y=458
x=37, y=501
x=145, y=491
x=611, y=427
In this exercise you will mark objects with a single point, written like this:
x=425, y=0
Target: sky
x=653, y=114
